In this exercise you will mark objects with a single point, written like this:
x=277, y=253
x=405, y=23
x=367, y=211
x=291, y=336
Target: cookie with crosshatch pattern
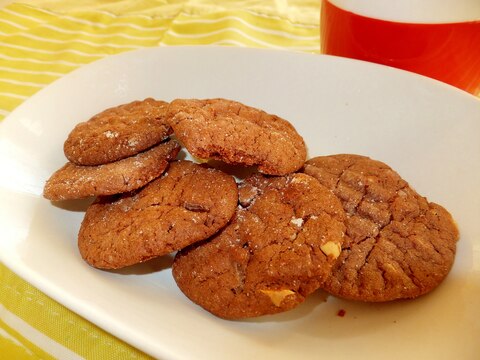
x=398, y=244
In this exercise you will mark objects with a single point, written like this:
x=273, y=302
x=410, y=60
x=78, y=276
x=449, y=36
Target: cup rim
x=366, y=8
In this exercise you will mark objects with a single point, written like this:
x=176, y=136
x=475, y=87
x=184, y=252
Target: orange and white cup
x=435, y=38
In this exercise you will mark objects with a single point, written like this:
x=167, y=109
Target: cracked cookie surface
x=237, y=134
x=118, y=132
x=77, y=181
x=398, y=245
x=188, y=203
x=279, y=248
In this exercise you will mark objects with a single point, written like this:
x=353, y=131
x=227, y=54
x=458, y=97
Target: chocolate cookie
x=78, y=181
x=398, y=244
x=280, y=246
x=237, y=134
x=188, y=203
x=117, y=133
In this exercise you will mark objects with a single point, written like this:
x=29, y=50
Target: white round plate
x=427, y=131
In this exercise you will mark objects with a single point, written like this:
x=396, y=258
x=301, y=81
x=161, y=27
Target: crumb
x=341, y=313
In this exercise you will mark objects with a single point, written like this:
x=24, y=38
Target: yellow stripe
x=14, y=96
x=12, y=350
x=22, y=20
x=73, y=40
x=18, y=70
x=7, y=20
x=267, y=39
x=40, y=50
x=51, y=31
x=36, y=337
x=8, y=86
x=31, y=11
x=205, y=25
x=21, y=62
x=58, y=323
x=20, y=76
x=9, y=27
x=244, y=27
x=102, y=18
x=22, y=349
x=71, y=56
x=108, y=19
x=93, y=20
x=92, y=27
x=58, y=34
x=175, y=38
x=52, y=45
x=261, y=20
x=23, y=82
x=120, y=8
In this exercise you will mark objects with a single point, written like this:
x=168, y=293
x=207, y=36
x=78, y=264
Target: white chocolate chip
x=297, y=222
x=331, y=248
x=200, y=160
x=277, y=296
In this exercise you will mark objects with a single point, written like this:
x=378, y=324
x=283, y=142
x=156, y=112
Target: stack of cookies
x=256, y=245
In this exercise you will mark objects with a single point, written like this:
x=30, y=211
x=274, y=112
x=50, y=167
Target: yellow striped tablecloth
x=40, y=41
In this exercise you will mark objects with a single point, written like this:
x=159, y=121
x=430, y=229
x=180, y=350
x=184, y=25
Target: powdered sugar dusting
x=132, y=142
x=110, y=134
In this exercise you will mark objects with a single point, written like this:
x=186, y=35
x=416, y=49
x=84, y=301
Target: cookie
x=398, y=245
x=280, y=246
x=237, y=134
x=78, y=181
x=117, y=133
x=189, y=203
